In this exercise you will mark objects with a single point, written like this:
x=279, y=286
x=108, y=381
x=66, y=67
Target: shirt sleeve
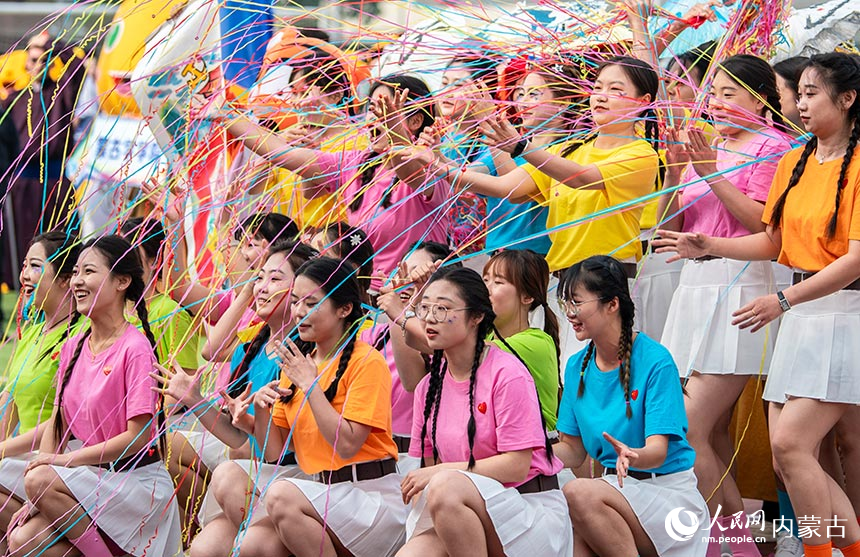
x=367, y=381
x=140, y=397
x=418, y=421
x=664, y=402
x=567, y=423
x=518, y=422
x=760, y=178
x=181, y=341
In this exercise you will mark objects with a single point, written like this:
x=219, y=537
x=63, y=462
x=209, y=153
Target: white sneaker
x=836, y=552
x=787, y=545
x=726, y=550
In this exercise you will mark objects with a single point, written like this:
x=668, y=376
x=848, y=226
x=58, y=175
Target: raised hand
x=167, y=200
x=298, y=368
x=676, y=154
x=701, y=154
x=174, y=382
x=625, y=455
x=686, y=245
x=390, y=113
x=237, y=407
x=266, y=397
x=500, y=133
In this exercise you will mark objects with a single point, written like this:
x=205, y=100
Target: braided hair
x=122, y=260
x=421, y=102
x=604, y=277
x=297, y=255
x=336, y=279
x=840, y=73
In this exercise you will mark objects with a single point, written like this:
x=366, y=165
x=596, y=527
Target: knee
x=209, y=542
x=582, y=498
x=229, y=481
x=40, y=482
x=283, y=501
x=445, y=491
x=786, y=447
x=19, y=540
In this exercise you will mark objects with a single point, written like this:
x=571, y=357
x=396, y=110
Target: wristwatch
x=783, y=303
x=407, y=315
x=520, y=148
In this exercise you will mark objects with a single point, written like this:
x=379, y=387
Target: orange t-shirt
x=809, y=208
x=363, y=396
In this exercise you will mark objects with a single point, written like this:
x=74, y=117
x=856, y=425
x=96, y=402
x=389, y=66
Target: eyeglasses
x=439, y=312
x=573, y=308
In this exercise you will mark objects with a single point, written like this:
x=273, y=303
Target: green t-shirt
x=537, y=350
x=172, y=327
x=30, y=377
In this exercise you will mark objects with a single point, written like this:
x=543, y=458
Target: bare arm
x=23, y=443
x=570, y=450
x=222, y=340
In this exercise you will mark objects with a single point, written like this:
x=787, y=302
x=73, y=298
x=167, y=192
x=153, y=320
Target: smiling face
x=253, y=250
x=733, y=108
x=94, y=287
x=614, y=98
x=272, y=289
x=453, y=99
x=38, y=278
x=537, y=103
x=317, y=317
x=821, y=112
x=588, y=314
x=447, y=320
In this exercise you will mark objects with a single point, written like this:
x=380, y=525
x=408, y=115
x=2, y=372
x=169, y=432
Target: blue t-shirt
x=656, y=399
x=262, y=371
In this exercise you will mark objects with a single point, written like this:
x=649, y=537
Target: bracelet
x=520, y=147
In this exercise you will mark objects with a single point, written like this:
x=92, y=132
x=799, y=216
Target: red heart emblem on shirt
x=107, y=370
x=635, y=394
x=482, y=408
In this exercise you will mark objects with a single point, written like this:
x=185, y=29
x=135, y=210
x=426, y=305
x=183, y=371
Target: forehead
x=442, y=290
x=613, y=73
x=37, y=251
x=457, y=73
x=722, y=79
x=278, y=262
x=534, y=80
x=811, y=77
x=304, y=287
x=381, y=91
x=92, y=256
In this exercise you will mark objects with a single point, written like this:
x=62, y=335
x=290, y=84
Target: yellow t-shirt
x=363, y=396
x=809, y=208
x=286, y=188
x=629, y=172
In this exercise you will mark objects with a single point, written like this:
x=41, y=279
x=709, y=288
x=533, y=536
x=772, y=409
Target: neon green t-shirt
x=537, y=350
x=172, y=327
x=30, y=379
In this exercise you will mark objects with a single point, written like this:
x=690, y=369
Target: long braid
x=779, y=206
x=239, y=377
x=368, y=166
x=434, y=387
x=471, y=428
x=585, y=360
x=345, y=356
x=61, y=388
x=64, y=336
x=625, y=347
x=843, y=171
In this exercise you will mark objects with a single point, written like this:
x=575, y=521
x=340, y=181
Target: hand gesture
x=389, y=111
x=500, y=133
x=431, y=136
x=687, y=245
x=22, y=515
x=238, y=409
x=700, y=13
x=758, y=313
x=298, y=368
x=266, y=397
x=676, y=155
x=169, y=200
x=702, y=156
x=625, y=456
x=174, y=382
x=415, y=481
x=47, y=459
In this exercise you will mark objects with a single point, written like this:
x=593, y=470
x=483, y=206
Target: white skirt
x=136, y=509
x=12, y=474
x=817, y=354
x=699, y=331
x=261, y=476
x=368, y=517
x=528, y=525
x=211, y=450
x=655, y=286
x=660, y=503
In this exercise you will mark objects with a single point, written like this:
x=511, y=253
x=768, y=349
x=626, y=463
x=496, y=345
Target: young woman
x=787, y=75
x=113, y=493
x=812, y=382
x=213, y=436
x=383, y=194
x=728, y=185
x=488, y=485
x=623, y=406
x=517, y=281
x=333, y=406
x=28, y=395
x=342, y=241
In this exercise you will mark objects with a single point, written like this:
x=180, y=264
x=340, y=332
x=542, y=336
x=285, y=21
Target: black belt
x=287, y=459
x=134, y=461
x=539, y=484
x=800, y=276
x=358, y=472
x=636, y=474
x=402, y=443
x=707, y=258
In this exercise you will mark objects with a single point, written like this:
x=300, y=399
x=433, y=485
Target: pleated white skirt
x=655, y=286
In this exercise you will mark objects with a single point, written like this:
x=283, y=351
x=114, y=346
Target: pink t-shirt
x=752, y=169
x=401, y=399
x=507, y=416
x=105, y=391
x=409, y=217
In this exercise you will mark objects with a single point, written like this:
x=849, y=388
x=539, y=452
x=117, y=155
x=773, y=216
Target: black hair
x=297, y=255
x=471, y=288
x=352, y=244
x=421, y=102
x=790, y=69
x=122, y=260
x=696, y=61
x=321, y=69
x=567, y=78
x=62, y=250
x=268, y=226
x=757, y=77
x=480, y=68
x=604, y=276
x=336, y=279
x=841, y=74
x=148, y=234
x=314, y=33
